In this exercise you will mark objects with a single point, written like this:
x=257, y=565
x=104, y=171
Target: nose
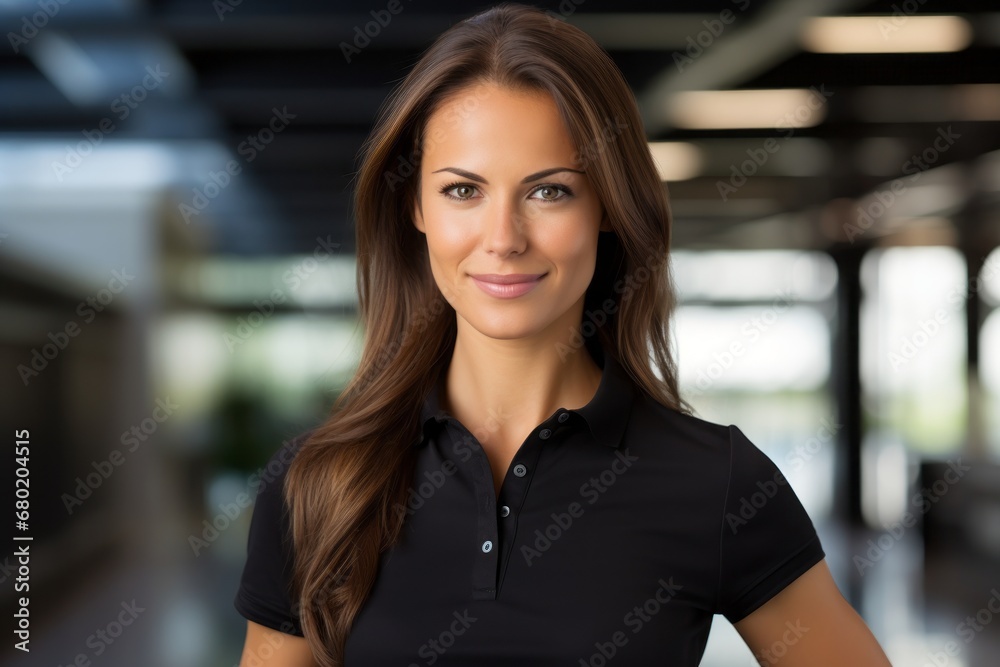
x=503, y=228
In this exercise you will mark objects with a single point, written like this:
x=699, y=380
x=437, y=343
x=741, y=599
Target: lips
x=507, y=285
x=507, y=278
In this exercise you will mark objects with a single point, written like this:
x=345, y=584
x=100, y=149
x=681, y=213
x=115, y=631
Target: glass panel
x=989, y=374
x=989, y=274
x=753, y=274
x=913, y=346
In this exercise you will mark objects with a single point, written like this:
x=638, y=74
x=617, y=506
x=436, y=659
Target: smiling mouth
x=508, y=286
x=507, y=278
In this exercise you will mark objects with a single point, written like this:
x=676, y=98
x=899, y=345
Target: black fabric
x=630, y=526
x=264, y=594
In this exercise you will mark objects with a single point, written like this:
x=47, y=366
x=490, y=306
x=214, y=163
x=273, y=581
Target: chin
x=507, y=328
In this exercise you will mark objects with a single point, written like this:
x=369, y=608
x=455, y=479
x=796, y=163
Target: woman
x=508, y=480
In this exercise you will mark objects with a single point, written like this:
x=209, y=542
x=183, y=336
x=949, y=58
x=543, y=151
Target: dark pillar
x=846, y=377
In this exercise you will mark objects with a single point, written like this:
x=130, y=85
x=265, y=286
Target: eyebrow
x=527, y=179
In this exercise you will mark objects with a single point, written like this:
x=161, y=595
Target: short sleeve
x=264, y=594
x=767, y=538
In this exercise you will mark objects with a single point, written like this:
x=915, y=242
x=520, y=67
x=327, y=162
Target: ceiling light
x=885, y=34
x=676, y=160
x=762, y=108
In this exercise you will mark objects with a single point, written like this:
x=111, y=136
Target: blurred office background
x=177, y=284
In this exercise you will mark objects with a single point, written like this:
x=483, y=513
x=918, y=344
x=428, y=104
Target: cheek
x=449, y=237
x=572, y=241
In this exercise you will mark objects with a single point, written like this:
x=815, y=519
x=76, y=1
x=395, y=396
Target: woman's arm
x=265, y=647
x=810, y=624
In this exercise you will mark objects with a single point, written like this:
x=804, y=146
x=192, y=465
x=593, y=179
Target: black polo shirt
x=620, y=529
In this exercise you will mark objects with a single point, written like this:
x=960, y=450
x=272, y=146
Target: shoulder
x=264, y=595
x=269, y=524
x=675, y=439
x=654, y=425
x=271, y=475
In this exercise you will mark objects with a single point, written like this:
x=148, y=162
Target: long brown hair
x=349, y=481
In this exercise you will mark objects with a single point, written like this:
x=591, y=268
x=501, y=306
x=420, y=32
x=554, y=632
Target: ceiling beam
x=736, y=55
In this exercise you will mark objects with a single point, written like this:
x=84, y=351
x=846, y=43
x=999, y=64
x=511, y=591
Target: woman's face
x=501, y=193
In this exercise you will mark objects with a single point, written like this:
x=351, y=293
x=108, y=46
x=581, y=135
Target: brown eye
x=548, y=190
x=461, y=187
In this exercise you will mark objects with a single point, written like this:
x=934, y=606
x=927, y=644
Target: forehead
x=487, y=118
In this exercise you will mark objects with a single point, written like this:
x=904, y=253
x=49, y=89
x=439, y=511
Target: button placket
x=513, y=494
x=491, y=562
x=486, y=565
x=520, y=470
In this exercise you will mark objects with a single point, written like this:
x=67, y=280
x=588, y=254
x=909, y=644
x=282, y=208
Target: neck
x=501, y=388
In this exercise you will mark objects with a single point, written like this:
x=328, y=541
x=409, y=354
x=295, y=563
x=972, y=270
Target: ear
x=605, y=223
x=418, y=218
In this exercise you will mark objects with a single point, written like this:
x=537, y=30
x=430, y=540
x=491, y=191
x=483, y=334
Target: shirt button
x=504, y=511
x=544, y=433
x=563, y=417
x=487, y=545
x=520, y=470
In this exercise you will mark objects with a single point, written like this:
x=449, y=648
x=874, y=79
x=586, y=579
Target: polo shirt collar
x=606, y=415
